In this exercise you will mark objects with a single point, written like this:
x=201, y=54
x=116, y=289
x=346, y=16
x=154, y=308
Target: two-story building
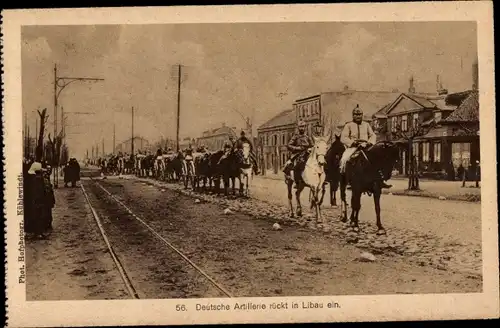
x=214, y=139
x=332, y=110
x=272, y=140
x=444, y=130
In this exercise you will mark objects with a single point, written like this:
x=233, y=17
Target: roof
x=286, y=117
x=423, y=101
x=468, y=111
x=219, y=131
x=337, y=106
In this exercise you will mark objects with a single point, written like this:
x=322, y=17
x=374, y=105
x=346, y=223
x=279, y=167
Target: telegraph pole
x=132, y=140
x=114, y=138
x=178, y=103
x=103, y=154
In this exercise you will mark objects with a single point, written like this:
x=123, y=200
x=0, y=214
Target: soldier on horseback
x=298, y=145
x=239, y=144
x=358, y=134
x=229, y=147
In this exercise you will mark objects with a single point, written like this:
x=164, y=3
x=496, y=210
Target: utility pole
x=103, y=154
x=61, y=83
x=132, y=140
x=114, y=138
x=97, y=150
x=178, y=103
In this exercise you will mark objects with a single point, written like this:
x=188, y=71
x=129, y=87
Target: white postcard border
x=353, y=308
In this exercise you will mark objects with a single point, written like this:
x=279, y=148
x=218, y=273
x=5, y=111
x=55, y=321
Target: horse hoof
x=381, y=232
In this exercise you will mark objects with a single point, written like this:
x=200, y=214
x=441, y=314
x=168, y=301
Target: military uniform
x=297, y=145
x=355, y=132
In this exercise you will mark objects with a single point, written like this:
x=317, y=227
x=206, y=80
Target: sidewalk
x=72, y=262
x=451, y=190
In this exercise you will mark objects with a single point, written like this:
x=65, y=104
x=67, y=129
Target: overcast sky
x=229, y=67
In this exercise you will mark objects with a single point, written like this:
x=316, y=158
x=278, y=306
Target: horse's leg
x=323, y=191
x=376, y=199
x=300, y=187
x=356, y=206
x=289, y=185
x=343, y=197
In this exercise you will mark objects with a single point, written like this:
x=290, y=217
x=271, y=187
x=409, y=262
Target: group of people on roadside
x=38, y=198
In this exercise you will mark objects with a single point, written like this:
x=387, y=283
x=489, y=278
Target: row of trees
x=53, y=151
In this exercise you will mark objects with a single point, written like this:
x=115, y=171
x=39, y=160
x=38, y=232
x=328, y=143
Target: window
x=375, y=124
x=415, y=150
x=303, y=110
x=437, y=152
x=275, y=140
x=425, y=151
x=404, y=123
x=415, y=119
x=394, y=124
x=460, y=154
x=283, y=139
x=437, y=116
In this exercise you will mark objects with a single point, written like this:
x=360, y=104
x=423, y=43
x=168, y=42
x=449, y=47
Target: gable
x=403, y=105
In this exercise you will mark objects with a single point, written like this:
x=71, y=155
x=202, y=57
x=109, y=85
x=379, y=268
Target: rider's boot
x=382, y=182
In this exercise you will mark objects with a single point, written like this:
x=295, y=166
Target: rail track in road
x=118, y=260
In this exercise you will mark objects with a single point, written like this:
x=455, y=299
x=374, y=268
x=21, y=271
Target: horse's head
x=320, y=148
x=246, y=150
x=384, y=155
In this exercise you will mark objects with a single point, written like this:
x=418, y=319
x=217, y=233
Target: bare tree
x=39, y=145
x=415, y=130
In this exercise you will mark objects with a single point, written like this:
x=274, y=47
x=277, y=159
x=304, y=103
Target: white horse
x=246, y=169
x=312, y=176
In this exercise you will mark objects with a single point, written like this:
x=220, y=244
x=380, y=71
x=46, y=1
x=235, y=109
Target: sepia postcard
x=250, y=164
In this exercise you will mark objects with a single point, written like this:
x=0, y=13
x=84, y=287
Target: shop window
x=426, y=152
x=437, y=152
x=460, y=153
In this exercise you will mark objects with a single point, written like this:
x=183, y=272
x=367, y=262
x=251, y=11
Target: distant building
x=140, y=144
x=272, y=140
x=214, y=139
x=184, y=143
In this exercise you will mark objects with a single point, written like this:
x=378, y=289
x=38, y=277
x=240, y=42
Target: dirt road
x=244, y=254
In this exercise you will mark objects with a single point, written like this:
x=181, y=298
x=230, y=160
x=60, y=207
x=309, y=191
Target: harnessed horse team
x=354, y=160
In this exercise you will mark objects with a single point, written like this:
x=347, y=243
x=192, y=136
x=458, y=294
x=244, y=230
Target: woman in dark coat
x=35, y=201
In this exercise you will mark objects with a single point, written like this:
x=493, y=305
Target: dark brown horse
x=361, y=173
x=333, y=156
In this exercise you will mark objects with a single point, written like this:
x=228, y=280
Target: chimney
x=411, y=89
x=475, y=75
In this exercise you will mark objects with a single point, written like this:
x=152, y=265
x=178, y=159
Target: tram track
x=165, y=243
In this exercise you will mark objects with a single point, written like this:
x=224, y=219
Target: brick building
x=272, y=140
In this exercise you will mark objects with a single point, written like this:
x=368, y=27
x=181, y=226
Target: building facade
x=444, y=131
x=332, y=110
x=140, y=144
x=272, y=140
x=214, y=139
